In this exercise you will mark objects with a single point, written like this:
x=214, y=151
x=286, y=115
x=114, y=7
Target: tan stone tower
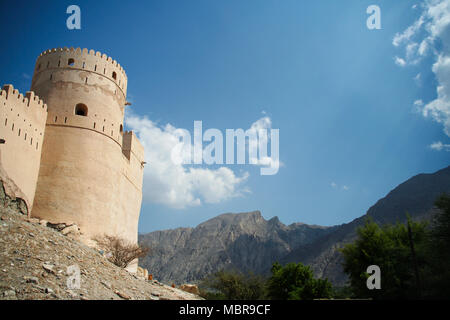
x=90, y=171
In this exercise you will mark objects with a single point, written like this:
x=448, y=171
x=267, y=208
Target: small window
x=121, y=128
x=81, y=110
x=114, y=75
x=71, y=62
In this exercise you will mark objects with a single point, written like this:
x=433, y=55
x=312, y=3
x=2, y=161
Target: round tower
x=83, y=172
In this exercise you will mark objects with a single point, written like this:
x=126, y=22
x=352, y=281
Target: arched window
x=81, y=110
x=121, y=128
x=114, y=75
x=71, y=62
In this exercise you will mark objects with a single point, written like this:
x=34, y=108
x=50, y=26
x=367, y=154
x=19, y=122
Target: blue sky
x=344, y=104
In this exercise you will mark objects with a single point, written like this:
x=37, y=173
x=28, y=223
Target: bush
x=296, y=282
x=232, y=285
x=388, y=247
x=119, y=251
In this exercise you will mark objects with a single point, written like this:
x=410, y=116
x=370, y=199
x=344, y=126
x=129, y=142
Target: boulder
x=191, y=288
x=73, y=229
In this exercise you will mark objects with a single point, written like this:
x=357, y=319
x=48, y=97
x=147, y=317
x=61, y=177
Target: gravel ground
x=34, y=262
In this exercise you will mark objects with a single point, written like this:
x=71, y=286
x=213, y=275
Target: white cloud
x=177, y=185
x=433, y=30
x=334, y=185
x=418, y=106
x=399, y=61
x=438, y=146
x=406, y=35
x=418, y=79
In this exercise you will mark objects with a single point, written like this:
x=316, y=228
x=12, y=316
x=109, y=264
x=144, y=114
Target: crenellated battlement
x=11, y=95
x=82, y=59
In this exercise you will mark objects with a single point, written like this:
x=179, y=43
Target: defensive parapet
x=83, y=59
x=22, y=127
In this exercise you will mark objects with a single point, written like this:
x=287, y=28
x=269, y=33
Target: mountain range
x=248, y=242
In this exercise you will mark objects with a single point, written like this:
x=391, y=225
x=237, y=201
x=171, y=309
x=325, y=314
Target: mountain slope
x=415, y=196
x=244, y=241
x=247, y=241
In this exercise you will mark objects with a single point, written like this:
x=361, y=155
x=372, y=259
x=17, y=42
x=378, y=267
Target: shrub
x=119, y=251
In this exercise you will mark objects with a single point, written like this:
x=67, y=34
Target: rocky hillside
x=246, y=241
x=34, y=260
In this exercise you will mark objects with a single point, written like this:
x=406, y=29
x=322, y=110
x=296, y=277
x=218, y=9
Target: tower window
x=114, y=75
x=81, y=110
x=71, y=62
x=121, y=128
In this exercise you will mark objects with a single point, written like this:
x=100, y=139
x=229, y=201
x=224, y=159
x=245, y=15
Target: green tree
x=232, y=285
x=438, y=274
x=400, y=254
x=296, y=282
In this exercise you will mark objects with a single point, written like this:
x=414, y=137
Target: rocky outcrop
x=9, y=196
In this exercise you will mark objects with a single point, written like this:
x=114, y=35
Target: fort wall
x=22, y=126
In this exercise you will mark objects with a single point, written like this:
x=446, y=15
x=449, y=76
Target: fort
x=65, y=153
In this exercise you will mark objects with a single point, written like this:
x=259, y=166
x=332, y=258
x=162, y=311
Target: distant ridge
x=246, y=241
x=243, y=241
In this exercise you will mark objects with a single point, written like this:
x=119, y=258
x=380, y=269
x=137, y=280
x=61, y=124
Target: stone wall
x=22, y=125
